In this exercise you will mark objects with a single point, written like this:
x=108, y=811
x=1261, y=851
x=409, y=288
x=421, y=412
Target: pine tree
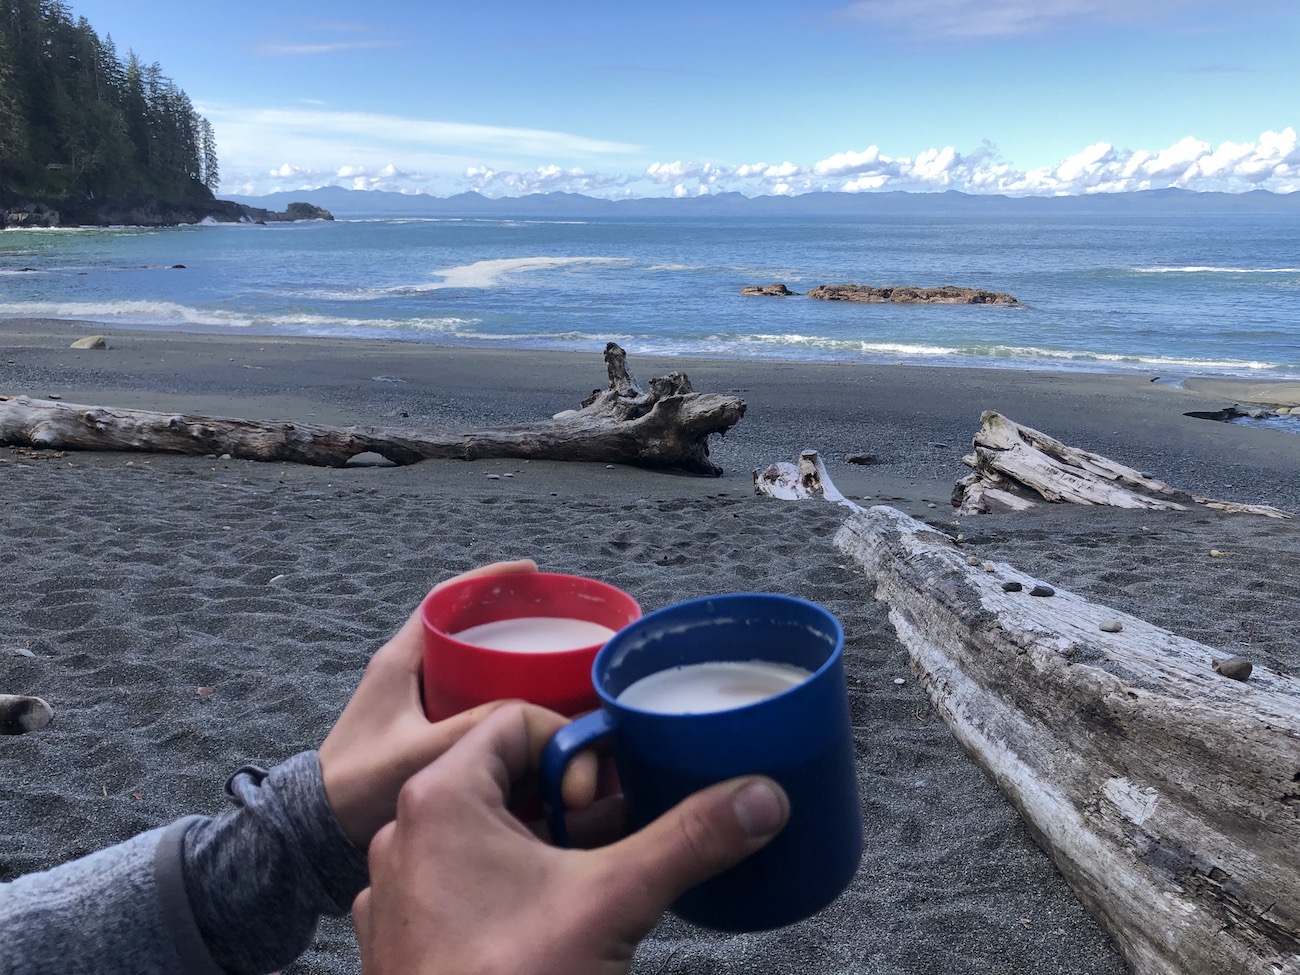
x=75, y=120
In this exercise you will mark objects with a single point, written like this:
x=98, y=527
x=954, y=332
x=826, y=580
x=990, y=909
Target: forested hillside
x=79, y=122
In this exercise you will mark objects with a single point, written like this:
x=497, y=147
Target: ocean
x=1166, y=294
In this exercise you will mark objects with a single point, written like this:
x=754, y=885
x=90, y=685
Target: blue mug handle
x=559, y=752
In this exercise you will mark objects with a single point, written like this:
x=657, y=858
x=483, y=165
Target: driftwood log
x=1167, y=794
x=1011, y=461
x=667, y=426
x=794, y=482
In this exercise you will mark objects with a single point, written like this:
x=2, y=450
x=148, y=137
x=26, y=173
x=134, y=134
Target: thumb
x=361, y=913
x=701, y=836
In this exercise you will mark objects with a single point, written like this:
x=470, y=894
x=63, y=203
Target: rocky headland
x=144, y=212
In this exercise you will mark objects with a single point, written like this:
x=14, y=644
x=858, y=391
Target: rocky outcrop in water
x=944, y=295
x=776, y=290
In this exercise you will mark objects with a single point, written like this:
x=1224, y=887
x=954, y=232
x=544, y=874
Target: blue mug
x=801, y=736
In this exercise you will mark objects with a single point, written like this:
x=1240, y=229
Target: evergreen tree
x=76, y=120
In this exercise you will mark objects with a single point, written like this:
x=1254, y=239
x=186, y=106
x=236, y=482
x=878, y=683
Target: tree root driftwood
x=1167, y=794
x=1011, y=460
x=666, y=427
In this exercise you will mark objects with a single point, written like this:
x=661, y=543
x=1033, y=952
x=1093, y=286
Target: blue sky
x=623, y=98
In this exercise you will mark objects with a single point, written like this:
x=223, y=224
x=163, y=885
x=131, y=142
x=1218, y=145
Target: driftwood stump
x=1167, y=794
x=795, y=482
x=666, y=427
x=1012, y=461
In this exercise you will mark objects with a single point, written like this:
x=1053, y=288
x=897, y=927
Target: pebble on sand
x=1011, y=586
x=20, y=714
x=1237, y=668
x=1111, y=626
x=1041, y=590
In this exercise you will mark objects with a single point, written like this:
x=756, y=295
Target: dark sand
x=135, y=579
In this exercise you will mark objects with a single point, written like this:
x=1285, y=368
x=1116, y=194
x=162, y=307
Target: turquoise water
x=1166, y=294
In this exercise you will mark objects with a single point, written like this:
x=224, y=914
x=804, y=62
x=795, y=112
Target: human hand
x=382, y=737
x=459, y=885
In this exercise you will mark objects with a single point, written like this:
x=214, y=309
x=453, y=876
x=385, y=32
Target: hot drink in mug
x=528, y=635
x=713, y=688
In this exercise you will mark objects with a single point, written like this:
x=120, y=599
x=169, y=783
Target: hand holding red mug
x=383, y=737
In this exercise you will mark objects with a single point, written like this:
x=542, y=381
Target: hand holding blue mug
x=712, y=688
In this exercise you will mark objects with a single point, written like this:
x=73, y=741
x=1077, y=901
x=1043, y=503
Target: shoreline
x=1284, y=390
x=136, y=579
x=917, y=421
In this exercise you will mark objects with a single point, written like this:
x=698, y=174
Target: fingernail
x=759, y=808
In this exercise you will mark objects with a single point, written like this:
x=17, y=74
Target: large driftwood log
x=666, y=427
x=1167, y=794
x=1009, y=459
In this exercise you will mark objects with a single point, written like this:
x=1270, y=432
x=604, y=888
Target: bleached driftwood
x=795, y=482
x=666, y=427
x=1008, y=458
x=1167, y=794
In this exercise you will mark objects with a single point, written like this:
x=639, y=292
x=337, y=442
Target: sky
x=622, y=98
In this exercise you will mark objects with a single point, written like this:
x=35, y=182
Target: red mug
x=539, y=635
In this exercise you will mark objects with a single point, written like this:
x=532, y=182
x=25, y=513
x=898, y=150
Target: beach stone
x=972, y=560
x=861, y=459
x=19, y=652
x=20, y=714
x=1236, y=668
x=494, y=477
x=1041, y=590
x=90, y=342
x=1011, y=586
x=1111, y=626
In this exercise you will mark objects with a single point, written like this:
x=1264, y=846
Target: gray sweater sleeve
x=239, y=892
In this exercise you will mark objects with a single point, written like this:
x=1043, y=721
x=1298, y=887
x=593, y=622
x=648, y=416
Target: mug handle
x=559, y=752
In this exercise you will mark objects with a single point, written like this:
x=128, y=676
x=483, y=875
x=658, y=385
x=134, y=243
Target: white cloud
x=1004, y=18
x=1272, y=162
x=328, y=47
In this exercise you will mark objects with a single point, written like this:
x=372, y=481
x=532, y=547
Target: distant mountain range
x=343, y=202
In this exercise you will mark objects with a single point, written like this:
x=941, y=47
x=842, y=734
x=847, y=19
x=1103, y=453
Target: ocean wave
x=1004, y=353
x=490, y=274
x=399, y=220
x=172, y=314
x=844, y=345
x=1213, y=269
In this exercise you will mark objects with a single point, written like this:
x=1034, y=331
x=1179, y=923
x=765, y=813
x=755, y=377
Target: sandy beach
x=132, y=580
